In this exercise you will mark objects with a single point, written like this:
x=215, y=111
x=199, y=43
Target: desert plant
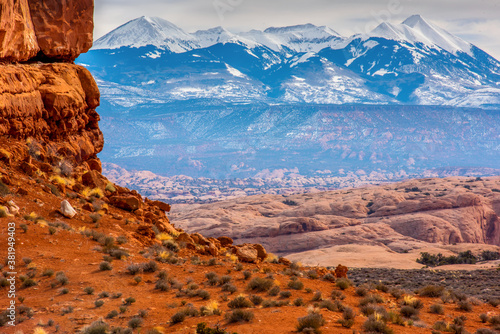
x=88, y=290
x=61, y=278
x=99, y=303
x=260, y=284
x=408, y=311
x=240, y=302
x=178, y=317
x=274, y=291
x=285, y=294
x=229, y=288
x=135, y=322
x=371, y=299
x=381, y=287
x=311, y=322
x=149, y=267
x=348, y=316
x=375, y=324
x=295, y=284
x=133, y=268
x=361, y=291
x=256, y=300
x=343, y=283
x=239, y=315
x=431, y=291
x=464, y=305
x=298, y=302
x=162, y=285
x=112, y=314
x=105, y=265
x=97, y=327
x=483, y=317
x=104, y=294
x=129, y=301
x=203, y=294
x=436, y=309
x=28, y=283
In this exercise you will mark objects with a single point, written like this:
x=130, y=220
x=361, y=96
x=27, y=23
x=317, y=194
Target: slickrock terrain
x=83, y=255
x=385, y=226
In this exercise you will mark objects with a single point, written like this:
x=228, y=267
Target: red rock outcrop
x=17, y=35
x=63, y=27
x=54, y=104
x=50, y=30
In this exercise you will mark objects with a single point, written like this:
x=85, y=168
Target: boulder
x=161, y=205
x=126, y=202
x=186, y=238
x=17, y=34
x=63, y=28
x=199, y=239
x=67, y=210
x=247, y=253
x=225, y=241
x=93, y=179
x=261, y=251
x=95, y=165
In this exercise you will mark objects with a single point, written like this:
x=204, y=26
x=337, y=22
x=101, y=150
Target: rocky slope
x=395, y=218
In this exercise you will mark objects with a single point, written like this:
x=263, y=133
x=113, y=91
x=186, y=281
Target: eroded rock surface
x=399, y=217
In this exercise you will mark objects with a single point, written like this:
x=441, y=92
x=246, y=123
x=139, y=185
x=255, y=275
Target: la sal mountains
x=415, y=62
x=299, y=102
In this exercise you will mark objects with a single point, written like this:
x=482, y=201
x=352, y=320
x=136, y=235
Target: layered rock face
x=49, y=29
x=400, y=217
x=50, y=101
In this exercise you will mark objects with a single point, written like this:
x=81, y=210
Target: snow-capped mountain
x=148, y=31
x=414, y=62
x=416, y=30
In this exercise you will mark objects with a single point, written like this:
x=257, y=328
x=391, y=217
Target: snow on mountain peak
x=218, y=35
x=147, y=31
x=416, y=29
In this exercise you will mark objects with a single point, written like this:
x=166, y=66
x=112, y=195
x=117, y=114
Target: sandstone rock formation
x=49, y=30
x=400, y=218
x=63, y=27
x=17, y=34
x=54, y=104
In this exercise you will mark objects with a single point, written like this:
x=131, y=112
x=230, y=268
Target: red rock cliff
x=42, y=94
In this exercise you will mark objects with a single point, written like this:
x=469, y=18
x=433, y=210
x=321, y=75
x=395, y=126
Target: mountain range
x=150, y=60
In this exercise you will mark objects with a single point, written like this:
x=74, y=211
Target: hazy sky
x=477, y=21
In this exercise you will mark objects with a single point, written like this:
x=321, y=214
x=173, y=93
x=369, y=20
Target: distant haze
x=477, y=22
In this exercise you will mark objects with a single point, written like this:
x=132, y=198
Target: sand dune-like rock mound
x=401, y=217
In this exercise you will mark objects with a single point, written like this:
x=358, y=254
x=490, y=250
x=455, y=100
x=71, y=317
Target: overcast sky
x=477, y=21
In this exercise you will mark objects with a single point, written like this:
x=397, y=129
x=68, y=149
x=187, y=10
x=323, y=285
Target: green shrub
x=99, y=303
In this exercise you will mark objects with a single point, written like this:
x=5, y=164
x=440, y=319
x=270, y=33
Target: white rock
x=67, y=210
x=13, y=208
